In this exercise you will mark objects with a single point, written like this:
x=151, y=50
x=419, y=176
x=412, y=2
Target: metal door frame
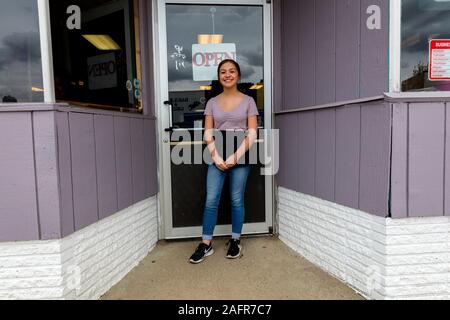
x=166, y=230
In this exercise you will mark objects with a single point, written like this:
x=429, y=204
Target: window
x=97, y=65
x=199, y=37
x=20, y=52
x=422, y=21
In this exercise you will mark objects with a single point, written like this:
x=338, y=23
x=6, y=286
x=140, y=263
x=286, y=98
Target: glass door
x=193, y=39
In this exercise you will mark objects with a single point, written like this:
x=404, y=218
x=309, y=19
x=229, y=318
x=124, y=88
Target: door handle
x=171, y=127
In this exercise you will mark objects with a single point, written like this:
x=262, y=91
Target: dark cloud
x=247, y=71
x=20, y=47
x=253, y=57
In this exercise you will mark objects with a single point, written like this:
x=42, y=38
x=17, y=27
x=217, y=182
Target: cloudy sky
x=20, y=58
x=241, y=25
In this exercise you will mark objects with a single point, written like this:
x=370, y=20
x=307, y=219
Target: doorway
x=191, y=38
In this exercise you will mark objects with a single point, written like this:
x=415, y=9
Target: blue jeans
x=215, y=181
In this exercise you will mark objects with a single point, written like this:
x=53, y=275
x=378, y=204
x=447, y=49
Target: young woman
x=229, y=111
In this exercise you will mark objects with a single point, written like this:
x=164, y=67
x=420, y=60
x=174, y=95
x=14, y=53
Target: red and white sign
x=207, y=57
x=439, y=60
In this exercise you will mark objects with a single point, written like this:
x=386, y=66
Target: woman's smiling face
x=229, y=75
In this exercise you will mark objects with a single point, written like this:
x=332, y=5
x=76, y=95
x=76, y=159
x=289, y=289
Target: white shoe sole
x=209, y=253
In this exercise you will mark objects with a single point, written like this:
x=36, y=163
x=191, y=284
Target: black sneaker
x=234, y=249
x=201, y=253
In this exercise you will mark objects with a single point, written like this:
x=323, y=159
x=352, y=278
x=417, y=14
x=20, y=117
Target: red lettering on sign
x=208, y=59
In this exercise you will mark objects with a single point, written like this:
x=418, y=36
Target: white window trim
x=46, y=51
x=395, y=39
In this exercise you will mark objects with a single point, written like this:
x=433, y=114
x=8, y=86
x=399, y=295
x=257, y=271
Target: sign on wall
x=439, y=60
x=207, y=57
x=102, y=71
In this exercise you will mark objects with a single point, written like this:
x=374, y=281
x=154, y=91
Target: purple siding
x=306, y=152
x=306, y=66
x=399, y=201
x=326, y=153
x=374, y=72
x=84, y=175
x=289, y=144
x=277, y=56
x=290, y=53
x=348, y=15
x=426, y=159
x=65, y=174
x=420, y=177
x=375, y=158
x=328, y=54
x=106, y=165
x=343, y=155
x=62, y=163
x=45, y=150
x=18, y=205
x=325, y=52
x=122, y=135
x=138, y=159
x=348, y=151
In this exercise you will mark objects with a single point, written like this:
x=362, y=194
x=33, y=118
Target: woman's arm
x=247, y=143
x=209, y=139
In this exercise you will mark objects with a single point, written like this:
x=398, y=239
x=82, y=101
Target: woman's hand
x=231, y=161
x=220, y=164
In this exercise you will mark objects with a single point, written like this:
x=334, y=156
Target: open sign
x=207, y=57
x=102, y=71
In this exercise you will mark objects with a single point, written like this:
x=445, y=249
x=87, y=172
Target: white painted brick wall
x=380, y=258
x=84, y=265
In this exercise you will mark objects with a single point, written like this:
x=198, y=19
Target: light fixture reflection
x=257, y=86
x=102, y=41
x=210, y=38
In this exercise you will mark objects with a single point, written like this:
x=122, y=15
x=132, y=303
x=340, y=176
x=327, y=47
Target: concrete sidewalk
x=268, y=270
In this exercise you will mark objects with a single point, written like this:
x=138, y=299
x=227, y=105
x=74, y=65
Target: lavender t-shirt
x=236, y=119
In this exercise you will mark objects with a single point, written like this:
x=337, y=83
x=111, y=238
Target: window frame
x=46, y=51
x=395, y=39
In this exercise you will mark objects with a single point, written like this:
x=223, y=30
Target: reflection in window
x=99, y=65
x=199, y=37
x=422, y=20
x=20, y=52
